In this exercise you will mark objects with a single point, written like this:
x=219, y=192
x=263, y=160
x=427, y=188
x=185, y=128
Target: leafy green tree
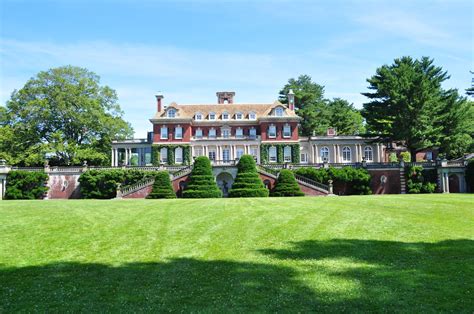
x=247, y=183
x=63, y=113
x=345, y=118
x=309, y=104
x=317, y=113
x=408, y=105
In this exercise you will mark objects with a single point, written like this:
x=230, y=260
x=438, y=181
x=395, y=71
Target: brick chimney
x=225, y=97
x=159, y=97
x=331, y=132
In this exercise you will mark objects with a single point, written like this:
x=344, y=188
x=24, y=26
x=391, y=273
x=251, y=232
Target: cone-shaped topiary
x=286, y=185
x=162, y=186
x=247, y=183
x=201, y=181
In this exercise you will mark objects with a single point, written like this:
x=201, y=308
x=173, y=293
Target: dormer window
x=212, y=116
x=225, y=116
x=279, y=112
x=171, y=113
x=252, y=116
x=239, y=116
x=198, y=116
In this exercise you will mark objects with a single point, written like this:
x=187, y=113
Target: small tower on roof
x=225, y=97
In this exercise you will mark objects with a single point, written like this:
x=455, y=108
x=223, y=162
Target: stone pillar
x=334, y=153
x=356, y=156
x=338, y=153
x=378, y=152
x=258, y=154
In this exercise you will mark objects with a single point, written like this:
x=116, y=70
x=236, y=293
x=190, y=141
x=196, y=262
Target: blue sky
x=191, y=49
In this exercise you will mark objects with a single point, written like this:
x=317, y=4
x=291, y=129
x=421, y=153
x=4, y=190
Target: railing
x=37, y=169
x=267, y=170
x=455, y=164
x=312, y=182
x=125, y=190
x=182, y=172
x=224, y=162
x=424, y=164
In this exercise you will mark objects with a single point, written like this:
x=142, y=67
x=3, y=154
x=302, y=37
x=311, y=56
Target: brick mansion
x=226, y=130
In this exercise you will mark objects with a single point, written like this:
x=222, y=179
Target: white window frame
x=287, y=154
x=270, y=127
x=176, y=132
x=212, y=154
x=226, y=132
x=324, y=153
x=253, y=133
x=252, y=116
x=286, y=128
x=239, y=132
x=304, y=158
x=239, y=116
x=346, y=154
x=279, y=112
x=164, y=135
x=198, y=133
x=198, y=116
x=212, y=130
x=212, y=116
x=164, y=155
x=368, y=152
x=178, y=155
x=239, y=152
x=226, y=154
x=254, y=151
x=198, y=151
x=272, y=157
x=171, y=113
x=225, y=115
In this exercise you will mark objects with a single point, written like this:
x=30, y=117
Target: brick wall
x=64, y=186
x=392, y=184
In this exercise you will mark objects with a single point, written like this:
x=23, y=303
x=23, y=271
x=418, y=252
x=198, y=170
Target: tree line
x=66, y=116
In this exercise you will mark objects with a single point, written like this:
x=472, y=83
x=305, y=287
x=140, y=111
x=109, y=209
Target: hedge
x=162, y=187
x=420, y=180
x=171, y=154
x=247, y=183
x=26, y=185
x=295, y=153
x=102, y=184
x=286, y=185
x=201, y=181
x=348, y=180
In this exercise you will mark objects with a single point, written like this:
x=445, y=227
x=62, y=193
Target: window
x=171, y=113
x=212, y=116
x=225, y=133
x=368, y=153
x=287, y=154
x=198, y=116
x=240, y=152
x=279, y=112
x=253, y=151
x=346, y=154
x=272, y=154
x=253, y=133
x=252, y=116
x=178, y=155
x=272, y=131
x=164, y=133
x=164, y=155
x=304, y=158
x=325, y=153
x=212, y=155
x=225, y=116
x=239, y=116
x=198, y=133
x=287, y=130
x=212, y=133
x=178, y=132
x=429, y=155
x=226, y=154
x=239, y=133
x=197, y=151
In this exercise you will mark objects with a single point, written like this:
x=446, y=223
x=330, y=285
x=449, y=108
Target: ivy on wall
x=295, y=152
x=170, y=154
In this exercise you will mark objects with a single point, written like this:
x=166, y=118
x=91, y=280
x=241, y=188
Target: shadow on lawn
x=390, y=276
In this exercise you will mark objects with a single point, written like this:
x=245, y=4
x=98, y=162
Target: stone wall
x=63, y=186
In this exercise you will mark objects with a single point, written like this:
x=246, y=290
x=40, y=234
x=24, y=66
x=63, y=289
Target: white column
x=334, y=152
x=357, y=154
x=339, y=153
x=116, y=157
x=316, y=154
x=258, y=154
x=112, y=158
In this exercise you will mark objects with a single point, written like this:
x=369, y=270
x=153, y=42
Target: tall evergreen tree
x=201, y=182
x=345, y=118
x=407, y=103
x=247, y=183
x=162, y=186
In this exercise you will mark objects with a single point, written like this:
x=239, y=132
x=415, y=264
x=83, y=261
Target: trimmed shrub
x=162, y=186
x=347, y=180
x=102, y=184
x=25, y=185
x=201, y=181
x=420, y=180
x=247, y=183
x=286, y=185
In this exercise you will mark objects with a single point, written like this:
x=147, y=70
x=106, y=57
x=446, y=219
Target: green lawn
x=362, y=253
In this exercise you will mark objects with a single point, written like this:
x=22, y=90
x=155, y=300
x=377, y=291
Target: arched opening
x=224, y=181
x=268, y=184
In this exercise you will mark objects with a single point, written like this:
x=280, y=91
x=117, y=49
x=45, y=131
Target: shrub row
x=347, y=180
x=420, y=180
x=26, y=185
x=102, y=184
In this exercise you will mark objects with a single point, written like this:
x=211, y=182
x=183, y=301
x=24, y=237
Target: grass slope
x=379, y=253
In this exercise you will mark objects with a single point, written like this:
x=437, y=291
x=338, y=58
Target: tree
x=317, y=113
x=201, y=181
x=407, y=103
x=286, y=185
x=309, y=104
x=162, y=186
x=345, y=118
x=247, y=183
x=63, y=113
